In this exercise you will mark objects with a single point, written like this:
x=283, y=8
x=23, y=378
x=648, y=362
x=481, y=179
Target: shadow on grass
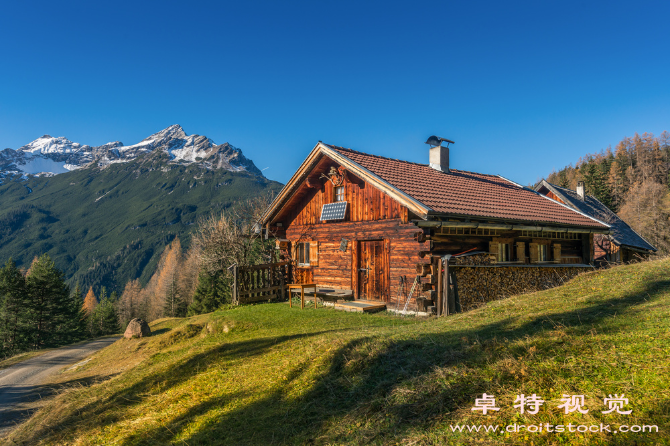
x=180, y=372
x=363, y=387
x=20, y=402
x=160, y=331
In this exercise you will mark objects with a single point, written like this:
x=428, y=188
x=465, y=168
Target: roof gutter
x=505, y=227
x=636, y=249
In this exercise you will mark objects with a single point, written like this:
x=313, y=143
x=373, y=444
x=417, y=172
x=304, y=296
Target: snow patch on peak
x=174, y=131
x=59, y=155
x=49, y=144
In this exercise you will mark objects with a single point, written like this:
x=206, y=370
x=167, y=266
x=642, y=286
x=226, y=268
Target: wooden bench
x=328, y=294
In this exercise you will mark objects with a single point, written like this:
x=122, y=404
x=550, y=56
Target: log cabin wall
x=338, y=268
x=553, y=196
x=365, y=203
x=605, y=251
x=371, y=215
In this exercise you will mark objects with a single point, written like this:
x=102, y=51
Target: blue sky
x=522, y=87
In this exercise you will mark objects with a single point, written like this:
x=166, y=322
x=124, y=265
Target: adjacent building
x=621, y=245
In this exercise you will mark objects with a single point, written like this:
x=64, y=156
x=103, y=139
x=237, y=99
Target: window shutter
x=294, y=253
x=533, y=252
x=557, y=252
x=313, y=253
x=521, y=251
x=493, y=250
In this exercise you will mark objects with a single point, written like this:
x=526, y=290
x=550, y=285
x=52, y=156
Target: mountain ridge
x=48, y=155
x=105, y=223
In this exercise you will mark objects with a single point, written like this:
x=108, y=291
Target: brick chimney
x=580, y=190
x=438, y=156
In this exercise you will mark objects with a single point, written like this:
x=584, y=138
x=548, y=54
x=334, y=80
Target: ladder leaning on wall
x=415, y=285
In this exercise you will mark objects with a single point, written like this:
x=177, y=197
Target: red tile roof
x=467, y=193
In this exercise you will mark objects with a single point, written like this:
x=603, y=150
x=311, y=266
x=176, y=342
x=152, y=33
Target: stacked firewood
x=476, y=259
x=477, y=286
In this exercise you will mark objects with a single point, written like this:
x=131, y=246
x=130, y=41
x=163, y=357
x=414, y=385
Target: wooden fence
x=260, y=283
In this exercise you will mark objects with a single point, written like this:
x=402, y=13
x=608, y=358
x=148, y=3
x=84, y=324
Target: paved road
x=22, y=384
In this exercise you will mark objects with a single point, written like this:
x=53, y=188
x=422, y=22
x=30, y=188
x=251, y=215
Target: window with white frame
x=339, y=193
x=542, y=253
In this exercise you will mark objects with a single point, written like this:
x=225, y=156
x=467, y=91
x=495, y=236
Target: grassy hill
x=268, y=374
x=108, y=226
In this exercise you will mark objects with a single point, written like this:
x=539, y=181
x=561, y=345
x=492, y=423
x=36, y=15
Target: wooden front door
x=372, y=271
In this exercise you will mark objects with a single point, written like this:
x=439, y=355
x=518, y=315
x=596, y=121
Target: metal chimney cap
x=435, y=141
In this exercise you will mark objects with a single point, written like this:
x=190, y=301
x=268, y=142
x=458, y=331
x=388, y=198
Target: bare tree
x=234, y=236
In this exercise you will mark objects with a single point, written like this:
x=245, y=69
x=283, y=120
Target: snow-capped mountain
x=51, y=156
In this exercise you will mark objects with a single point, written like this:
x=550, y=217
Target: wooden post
x=457, y=299
x=315, y=297
x=440, y=285
x=452, y=295
x=586, y=249
x=447, y=297
x=235, y=285
x=282, y=284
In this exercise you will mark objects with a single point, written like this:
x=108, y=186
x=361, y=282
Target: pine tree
x=48, y=306
x=13, y=301
x=105, y=317
x=98, y=316
x=563, y=179
x=210, y=294
x=78, y=316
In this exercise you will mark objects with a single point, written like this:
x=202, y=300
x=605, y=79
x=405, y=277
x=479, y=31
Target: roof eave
x=548, y=226
x=407, y=200
x=320, y=148
x=637, y=248
x=292, y=184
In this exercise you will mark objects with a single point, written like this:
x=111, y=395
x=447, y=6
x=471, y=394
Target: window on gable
x=339, y=193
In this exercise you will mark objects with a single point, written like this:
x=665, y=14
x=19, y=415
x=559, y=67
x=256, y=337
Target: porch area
x=340, y=299
x=327, y=293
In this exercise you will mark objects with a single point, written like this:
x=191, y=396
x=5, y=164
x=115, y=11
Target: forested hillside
x=105, y=226
x=633, y=180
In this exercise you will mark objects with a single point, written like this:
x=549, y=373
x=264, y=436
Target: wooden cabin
x=368, y=226
x=621, y=245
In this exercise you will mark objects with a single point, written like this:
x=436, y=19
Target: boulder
x=137, y=328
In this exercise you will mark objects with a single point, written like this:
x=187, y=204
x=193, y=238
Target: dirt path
x=22, y=385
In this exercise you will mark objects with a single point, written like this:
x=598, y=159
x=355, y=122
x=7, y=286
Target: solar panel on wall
x=334, y=211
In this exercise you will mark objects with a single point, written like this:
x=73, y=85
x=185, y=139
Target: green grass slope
x=268, y=374
x=108, y=226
